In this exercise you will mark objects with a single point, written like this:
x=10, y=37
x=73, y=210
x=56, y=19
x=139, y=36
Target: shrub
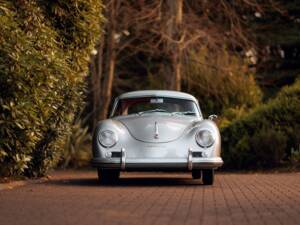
x=42, y=66
x=295, y=157
x=222, y=83
x=76, y=149
x=264, y=137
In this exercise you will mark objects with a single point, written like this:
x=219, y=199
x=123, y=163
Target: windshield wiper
x=188, y=113
x=153, y=110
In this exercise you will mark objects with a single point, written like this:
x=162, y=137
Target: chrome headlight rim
x=199, y=138
x=109, y=135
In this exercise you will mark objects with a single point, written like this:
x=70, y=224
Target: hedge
x=44, y=54
x=266, y=137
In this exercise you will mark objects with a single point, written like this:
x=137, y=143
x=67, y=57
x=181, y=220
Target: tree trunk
x=110, y=60
x=97, y=71
x=174, y=32
x=94, y=88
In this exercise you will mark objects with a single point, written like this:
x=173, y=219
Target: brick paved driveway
x=154, y=198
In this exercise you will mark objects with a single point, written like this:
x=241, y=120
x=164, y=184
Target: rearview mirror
x=213, y=117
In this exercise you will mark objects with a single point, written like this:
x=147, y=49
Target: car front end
x=198, y=148
x=163, y=131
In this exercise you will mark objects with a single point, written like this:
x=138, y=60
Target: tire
x=107, y=176
x=196, y=174
x=208, y=176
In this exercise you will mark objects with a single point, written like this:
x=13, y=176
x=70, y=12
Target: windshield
x=148, y=105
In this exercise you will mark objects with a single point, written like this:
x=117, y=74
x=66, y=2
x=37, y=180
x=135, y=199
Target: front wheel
x=208, y=176
x=107, y=176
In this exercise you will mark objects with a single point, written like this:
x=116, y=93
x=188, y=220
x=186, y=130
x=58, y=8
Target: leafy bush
x=264, y=137
x=44, y=53
x=222, y=83
x=295, y=157
x=76, y=149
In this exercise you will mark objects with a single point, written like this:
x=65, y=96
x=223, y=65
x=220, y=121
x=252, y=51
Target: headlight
x=205, y=138
x=107, y=138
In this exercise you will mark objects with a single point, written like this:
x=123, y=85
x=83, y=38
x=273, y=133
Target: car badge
x=156, y=131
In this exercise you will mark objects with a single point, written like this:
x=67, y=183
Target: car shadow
x=154, y=181
x=74, y=182
x=128, y=181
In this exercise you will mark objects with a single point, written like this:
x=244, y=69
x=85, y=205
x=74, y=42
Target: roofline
x=157, y=93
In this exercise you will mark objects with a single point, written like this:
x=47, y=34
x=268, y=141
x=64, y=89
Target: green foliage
x=222, y=83
x=264, y=137
x=42, y=69
x=76, y=149
x=295, y=157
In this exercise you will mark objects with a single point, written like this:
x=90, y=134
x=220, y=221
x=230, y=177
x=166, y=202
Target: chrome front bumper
x=184, y=164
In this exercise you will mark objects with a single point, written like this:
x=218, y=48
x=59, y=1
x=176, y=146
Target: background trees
x=232, y=55
x=178, y=45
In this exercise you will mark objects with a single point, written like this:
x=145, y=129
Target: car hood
x=155, y=128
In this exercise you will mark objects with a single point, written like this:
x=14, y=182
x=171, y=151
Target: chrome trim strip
x=198, y=163
x=190, y=159
x=123, y=158
x=156, y=131
x=114, y=107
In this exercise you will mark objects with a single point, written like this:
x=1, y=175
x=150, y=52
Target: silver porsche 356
x=156, y=130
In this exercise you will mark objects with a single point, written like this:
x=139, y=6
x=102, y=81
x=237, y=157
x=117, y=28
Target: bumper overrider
x=122, y=163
